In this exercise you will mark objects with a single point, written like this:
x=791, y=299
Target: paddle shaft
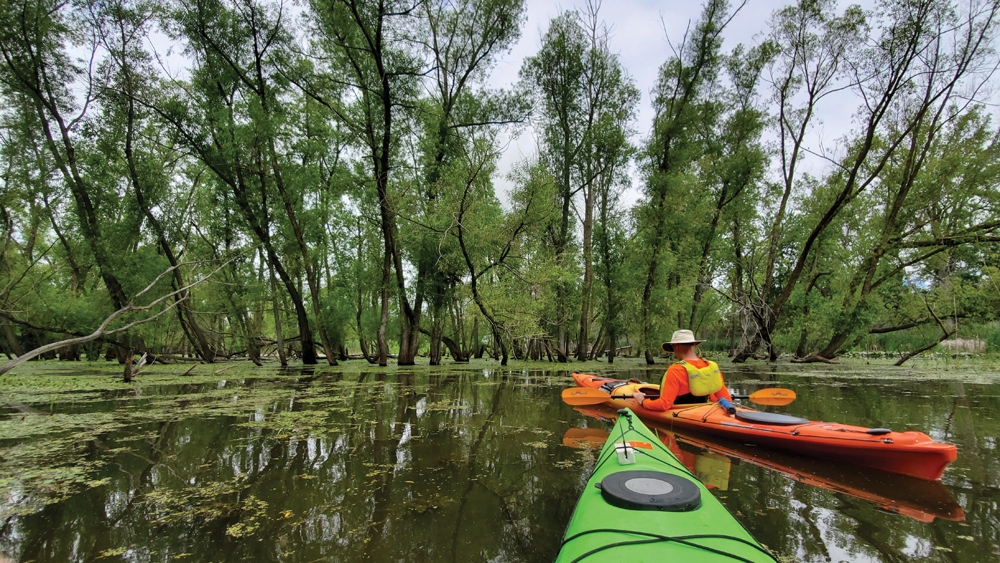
x=590, y=396
x=730, y=408
x=630, y=396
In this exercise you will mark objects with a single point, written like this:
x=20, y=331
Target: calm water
x=464, y=465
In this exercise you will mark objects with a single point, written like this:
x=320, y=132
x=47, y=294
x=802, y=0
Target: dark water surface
x=464, y=464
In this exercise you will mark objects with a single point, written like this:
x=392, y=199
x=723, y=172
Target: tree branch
x=102, y=330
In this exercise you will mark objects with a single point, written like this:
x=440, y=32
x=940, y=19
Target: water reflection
x=710, y=458
x=454, y=465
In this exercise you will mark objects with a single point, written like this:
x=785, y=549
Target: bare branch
x=102, y=330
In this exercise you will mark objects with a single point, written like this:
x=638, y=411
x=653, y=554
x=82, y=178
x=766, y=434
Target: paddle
x=770, y=396
x=588, y=396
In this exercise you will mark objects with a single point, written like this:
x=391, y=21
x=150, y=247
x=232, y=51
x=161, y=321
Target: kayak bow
x=642, y=505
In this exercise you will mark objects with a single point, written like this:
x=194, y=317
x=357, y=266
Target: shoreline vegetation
x=46, y=376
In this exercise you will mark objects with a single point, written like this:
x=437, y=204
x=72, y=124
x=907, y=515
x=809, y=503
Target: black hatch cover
x=769, y=418
x=650, y=490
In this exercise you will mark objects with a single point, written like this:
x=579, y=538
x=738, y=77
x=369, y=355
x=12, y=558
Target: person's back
x=676, y=386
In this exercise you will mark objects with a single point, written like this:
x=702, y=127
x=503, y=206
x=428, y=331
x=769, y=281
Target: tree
x=36, y=68
x=908, y=79
x=923, y=224
x=131, y=137
x=373, y=66
x=610, y=99
x=611, y=240
x=231, y=119
x=557, y=73
x=490, y=245
x=814, y=47
x=674, y=146
x=734, y=162
x=463, y=41
x=103, y=330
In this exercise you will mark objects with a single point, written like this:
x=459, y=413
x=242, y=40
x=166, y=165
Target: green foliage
x=365, y=147
x=992, y=334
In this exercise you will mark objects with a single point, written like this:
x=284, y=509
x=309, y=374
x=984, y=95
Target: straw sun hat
x=680, y=337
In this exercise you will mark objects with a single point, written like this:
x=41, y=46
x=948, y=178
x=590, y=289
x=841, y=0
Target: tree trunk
x=8, y=332
x=477, y=347
x=278, y=333
x=435, y=343
x=582, y=352
x=125, y=358
x=940, y=339
x=383, y=345
x=597, y=350
x=456, y=351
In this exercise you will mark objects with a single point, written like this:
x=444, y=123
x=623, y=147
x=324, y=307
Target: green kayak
x=641, y=504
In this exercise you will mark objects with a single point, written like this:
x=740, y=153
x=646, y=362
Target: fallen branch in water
x=102, y=330
x=945, y=335
x=227, y=367
x=813, y=358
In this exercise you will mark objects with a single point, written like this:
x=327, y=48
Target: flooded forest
x=277, y=282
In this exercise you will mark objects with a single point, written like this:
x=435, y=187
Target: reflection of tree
x=406, y=414
x=164, y=440
x=471, y=480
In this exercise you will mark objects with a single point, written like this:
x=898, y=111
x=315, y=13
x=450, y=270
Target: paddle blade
x=773, y=396
x=584, y=396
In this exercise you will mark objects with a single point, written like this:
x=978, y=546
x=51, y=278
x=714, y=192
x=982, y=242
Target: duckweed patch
x=206, y=503
x=91, y=419
x=422, y=504
x=288, y=423
x=49, y=456
x=35, y=474
x=445, y=406
x=376, y=469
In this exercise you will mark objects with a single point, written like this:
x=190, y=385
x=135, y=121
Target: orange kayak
x=907, y=453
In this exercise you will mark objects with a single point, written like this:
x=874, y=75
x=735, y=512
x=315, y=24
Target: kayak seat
x=650, y=392
x=612, y=384
x=650, y=490
x=689, y=399
x=769, y=418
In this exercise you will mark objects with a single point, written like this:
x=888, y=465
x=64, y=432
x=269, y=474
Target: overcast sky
x=639, y=33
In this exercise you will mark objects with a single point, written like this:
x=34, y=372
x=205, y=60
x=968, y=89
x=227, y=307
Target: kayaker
x=690, y=380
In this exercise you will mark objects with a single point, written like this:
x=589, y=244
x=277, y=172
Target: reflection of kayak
x=909, y=453
x=709, y=467
x=641, y=504
x=916, y=498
